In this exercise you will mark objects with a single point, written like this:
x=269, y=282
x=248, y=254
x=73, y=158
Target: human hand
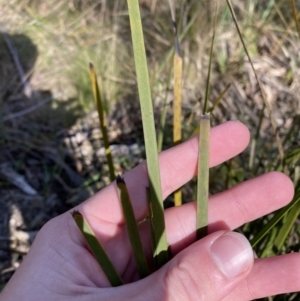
x=219, y=267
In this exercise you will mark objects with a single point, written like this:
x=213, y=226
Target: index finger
x=178, y=165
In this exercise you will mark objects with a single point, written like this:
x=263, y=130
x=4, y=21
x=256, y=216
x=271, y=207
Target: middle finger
x=231, y=208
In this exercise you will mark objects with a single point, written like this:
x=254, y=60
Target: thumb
x=207, y=270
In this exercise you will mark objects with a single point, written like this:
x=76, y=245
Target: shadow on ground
x=51, y=152
x=34, y=164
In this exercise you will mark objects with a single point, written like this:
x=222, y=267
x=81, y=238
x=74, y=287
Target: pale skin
x=60, y=267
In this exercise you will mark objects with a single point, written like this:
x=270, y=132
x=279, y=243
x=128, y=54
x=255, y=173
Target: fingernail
x=232, y=253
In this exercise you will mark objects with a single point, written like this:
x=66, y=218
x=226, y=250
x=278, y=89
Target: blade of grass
x=150, y=217
x=97, y=250
x=161, y=248
x=218, y=100
x=177, y=96
x=274, y=220
x=286, y=228
x=215, y=104
x=203, y=177
x=102, y=121
x=255, y=139
x=207, y=91
x=203, y=157
x=268, y=249
x=132, y=229
x=293, y=6
x=296, y=176
x=263, y=93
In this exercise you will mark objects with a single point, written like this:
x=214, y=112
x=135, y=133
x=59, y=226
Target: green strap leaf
x=203, y=177
x=132, y=229
x=97, y=250
x=285, y=230
x=161, y=248
x=274, y=220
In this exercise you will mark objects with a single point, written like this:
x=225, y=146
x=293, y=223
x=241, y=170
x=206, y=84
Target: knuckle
x=181, y=278
x=50, y=232
x=250, y=290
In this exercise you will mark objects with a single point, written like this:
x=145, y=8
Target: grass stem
x=177, y=103
x=102, y=121
x=207, y=91
x=263, y=93
x=295, y=15
x=203, y=177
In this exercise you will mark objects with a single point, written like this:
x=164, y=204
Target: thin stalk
x=102, y=121
x=207, y=91
x=161, y=253
x=132, y=229
x=97, y=250
x=293, y=6
x=177, y=136
x=218, y=100
x=263, y=93
x=215, y=104
x=203, y=177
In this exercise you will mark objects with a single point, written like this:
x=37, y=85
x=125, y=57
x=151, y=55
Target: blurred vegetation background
x=51, y=152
